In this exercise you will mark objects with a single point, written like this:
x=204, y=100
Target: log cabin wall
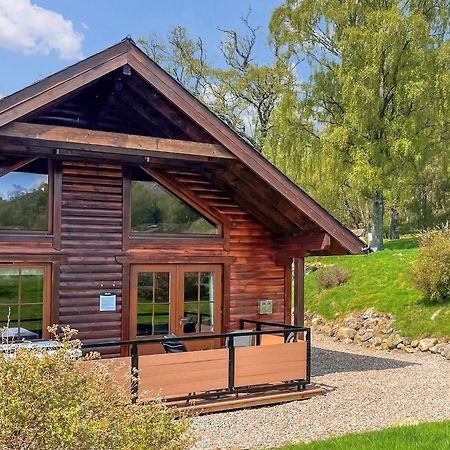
x=91, y=238
x=93, y=255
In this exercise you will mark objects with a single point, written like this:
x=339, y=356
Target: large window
x=155, y=210
x=22, y=294
x=24, y=198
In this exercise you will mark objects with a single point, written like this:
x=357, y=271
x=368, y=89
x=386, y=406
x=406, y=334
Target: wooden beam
x=106, y=142
x=303, y=245
x=14, y=165
x=299, y=292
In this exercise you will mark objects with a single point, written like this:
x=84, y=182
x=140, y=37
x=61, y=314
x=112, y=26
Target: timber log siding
x=96, y=251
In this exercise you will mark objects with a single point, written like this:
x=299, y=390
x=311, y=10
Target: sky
x=40, y=37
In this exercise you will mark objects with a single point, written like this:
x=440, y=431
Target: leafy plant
x=432, y=268
x=52, y=401
x=331, y=276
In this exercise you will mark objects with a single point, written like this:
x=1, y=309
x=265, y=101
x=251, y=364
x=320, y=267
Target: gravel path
x=367, y=389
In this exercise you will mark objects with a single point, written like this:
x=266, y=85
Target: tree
x=376, y=106
x=240, y=91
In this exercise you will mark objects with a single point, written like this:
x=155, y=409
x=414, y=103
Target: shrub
x=431, y=271
x=49, y=401
x=331, y=276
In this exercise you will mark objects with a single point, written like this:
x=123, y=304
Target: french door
x=175, y=298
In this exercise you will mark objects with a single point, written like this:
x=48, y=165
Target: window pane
x=145, y=287
x=206, y=286
x=207, y=317
x=161, y=323
x=191, y=286
x=24, y=201
x=144, y=320
x=32, y=285
x=30, y=322
x=190, y=318
x=156, y=210
x=9, y=287
x=162, y=287
x=8, y=312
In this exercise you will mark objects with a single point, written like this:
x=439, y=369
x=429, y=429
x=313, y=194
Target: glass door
x=175, y=298
x=153, y=295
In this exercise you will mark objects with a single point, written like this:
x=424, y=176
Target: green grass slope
x=382, y=280
x=429, y=436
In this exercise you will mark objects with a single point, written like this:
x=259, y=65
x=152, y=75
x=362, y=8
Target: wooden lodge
x=129, y=211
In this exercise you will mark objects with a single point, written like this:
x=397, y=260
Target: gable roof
x=60, y=84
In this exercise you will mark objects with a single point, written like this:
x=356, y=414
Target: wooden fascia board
x=62, y=83
x=301, y=246
x=161, y=81
x=107, y=142
x=15, y=165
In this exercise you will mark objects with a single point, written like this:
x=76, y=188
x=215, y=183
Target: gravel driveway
x=367, y=389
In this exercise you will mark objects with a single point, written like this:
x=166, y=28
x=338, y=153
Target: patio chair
x=172, y=344
x=240, y=341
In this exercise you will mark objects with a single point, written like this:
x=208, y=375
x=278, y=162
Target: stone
x=367, y=336
x=438, y=348
x=407, y=341
x=446, y=352
x=326, y=329
x=410, y=349
x=333, y=332
x=401, y=346
x=345, y=333
x=347, y=341
x=393, y=340
x=376, y=341
x=427, y=343
x=368, y=313
x=316, y=321
x=415, y=343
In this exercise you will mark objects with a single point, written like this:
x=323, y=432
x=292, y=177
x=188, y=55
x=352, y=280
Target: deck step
x=247, y=401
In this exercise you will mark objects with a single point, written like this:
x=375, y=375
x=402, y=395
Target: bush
x=331, y=276
x=432, y=269
x=49, y=401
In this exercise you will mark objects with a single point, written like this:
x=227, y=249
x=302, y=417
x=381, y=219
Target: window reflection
x=198, y=302
x=153, y=303
x=24, y=198
x=21, y=303
x=156, y=210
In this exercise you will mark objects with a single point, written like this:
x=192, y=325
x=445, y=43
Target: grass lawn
x=382, y=280
x=428, y=436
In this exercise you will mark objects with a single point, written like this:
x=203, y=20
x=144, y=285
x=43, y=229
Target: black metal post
x=258, y=336
x=134, y=373
x=308, y=355
x=231, y=362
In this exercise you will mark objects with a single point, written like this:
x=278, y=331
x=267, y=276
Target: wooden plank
x=299, y=292
x=176, y=374
x=249, y=401
x=270, y=364
x=107, y=142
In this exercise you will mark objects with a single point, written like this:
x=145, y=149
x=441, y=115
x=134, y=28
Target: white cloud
x=28, y=28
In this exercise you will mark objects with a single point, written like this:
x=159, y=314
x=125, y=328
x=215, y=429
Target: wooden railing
x=220, y=371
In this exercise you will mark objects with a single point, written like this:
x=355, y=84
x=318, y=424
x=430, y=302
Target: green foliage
x=156, y=210
x=50, y=401
x=382, y=280
x=25, y=209
x=331, y=276
x=431, y=271
x=428, y=436
x=373, y=118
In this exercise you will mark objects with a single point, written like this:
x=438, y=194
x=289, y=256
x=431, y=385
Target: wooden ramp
x=232, y=402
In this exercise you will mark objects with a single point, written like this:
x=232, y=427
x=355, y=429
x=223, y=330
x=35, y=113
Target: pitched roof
x=60, y=84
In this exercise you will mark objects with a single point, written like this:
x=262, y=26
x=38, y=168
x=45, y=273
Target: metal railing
x=301, y=333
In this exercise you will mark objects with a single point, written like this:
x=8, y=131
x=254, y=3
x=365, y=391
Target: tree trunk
x=376, y=243
x=393, y=228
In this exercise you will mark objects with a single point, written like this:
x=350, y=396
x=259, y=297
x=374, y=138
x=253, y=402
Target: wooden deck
x=208, y=380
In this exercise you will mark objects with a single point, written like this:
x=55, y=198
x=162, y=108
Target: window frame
x=140, y=236
x=6, y=234
x=46, y=299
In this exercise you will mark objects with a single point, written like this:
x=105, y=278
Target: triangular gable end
x=48, y=91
